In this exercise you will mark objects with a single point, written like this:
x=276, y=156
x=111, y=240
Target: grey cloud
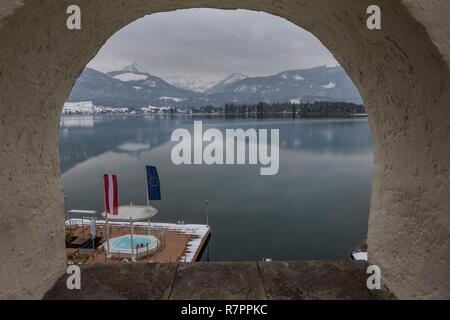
x=212, y=44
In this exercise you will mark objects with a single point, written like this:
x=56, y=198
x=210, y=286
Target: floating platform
x=180, y=242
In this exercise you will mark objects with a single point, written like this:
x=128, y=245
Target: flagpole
x=148, y=200
x=132, y=245
x=146, y=184
x=107, y=230
x=106, y=218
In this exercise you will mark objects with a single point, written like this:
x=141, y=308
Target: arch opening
x=307, y=222
x=408, y=227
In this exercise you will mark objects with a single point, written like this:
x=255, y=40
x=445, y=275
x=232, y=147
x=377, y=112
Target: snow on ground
x=87, y=107
x=152, y=109
x=245, y=88
x=150, y=83
x=172, y=99
x=197, y=232
x=330, y=85
x=195, y=83
x=130, y=77
x=360, y=255
x=235, y=78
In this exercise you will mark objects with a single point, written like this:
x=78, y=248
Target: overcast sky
x=212, y=44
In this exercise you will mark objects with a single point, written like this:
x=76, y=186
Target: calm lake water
x=315, y=208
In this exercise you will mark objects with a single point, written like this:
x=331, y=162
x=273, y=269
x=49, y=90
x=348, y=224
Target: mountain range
x=194, y=83
x=134, y=87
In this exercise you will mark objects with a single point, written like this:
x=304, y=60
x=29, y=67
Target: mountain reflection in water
x=315, y=208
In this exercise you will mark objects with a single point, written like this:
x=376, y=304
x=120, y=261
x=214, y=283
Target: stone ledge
x=222, y=281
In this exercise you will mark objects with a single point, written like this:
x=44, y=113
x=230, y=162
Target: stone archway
x=402, y=72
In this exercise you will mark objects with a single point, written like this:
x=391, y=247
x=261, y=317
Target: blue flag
x=153, y=186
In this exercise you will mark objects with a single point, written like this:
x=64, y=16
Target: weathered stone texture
x=401, y=71
x=222, y=281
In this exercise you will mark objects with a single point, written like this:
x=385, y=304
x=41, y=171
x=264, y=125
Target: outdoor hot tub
x=121, y=247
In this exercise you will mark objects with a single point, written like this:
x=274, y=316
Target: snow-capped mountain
x=134, y=68
x=315, y=84
x=129, y=87
x=194, y=83
x=134, y=87
x=225, y=83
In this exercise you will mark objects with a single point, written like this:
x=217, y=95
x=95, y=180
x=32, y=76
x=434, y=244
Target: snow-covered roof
x=82, y=212
x=135, y=213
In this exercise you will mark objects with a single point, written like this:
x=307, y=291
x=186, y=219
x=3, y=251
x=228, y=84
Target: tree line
x=314, y=109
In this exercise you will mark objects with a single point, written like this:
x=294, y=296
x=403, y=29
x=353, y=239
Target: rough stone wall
x=402, y=73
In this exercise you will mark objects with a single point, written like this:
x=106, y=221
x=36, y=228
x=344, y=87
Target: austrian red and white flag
x=111, y=194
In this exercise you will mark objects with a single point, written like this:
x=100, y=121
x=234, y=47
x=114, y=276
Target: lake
x=315, y=208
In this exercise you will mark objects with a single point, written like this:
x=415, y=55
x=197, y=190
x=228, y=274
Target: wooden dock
x=180, y=242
